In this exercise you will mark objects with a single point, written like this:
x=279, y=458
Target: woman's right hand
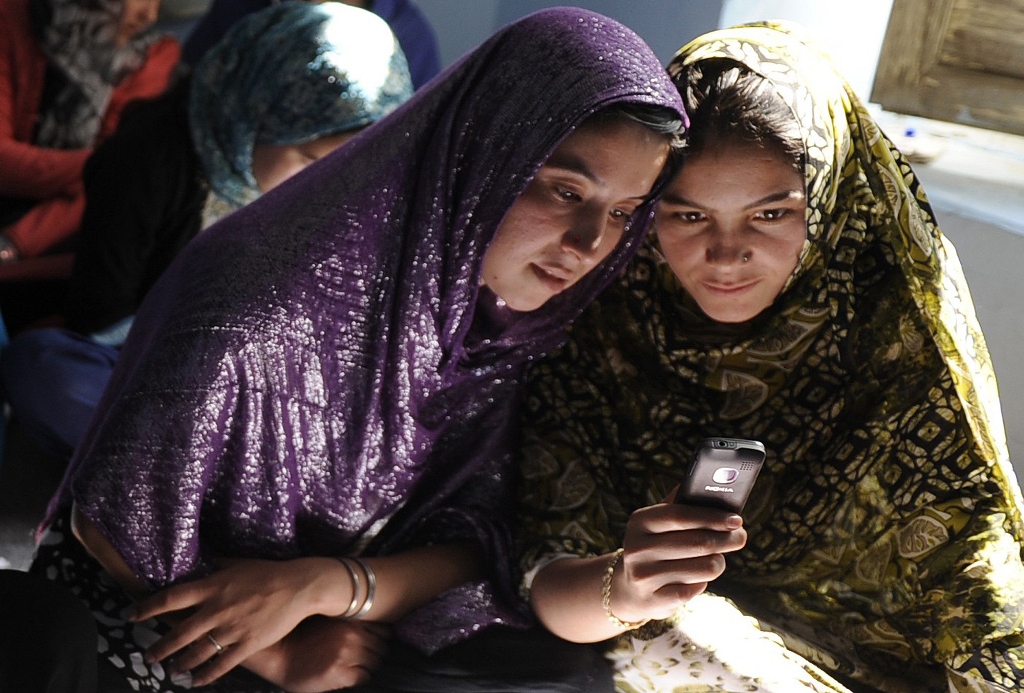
x=671, y=553
x=325, y=654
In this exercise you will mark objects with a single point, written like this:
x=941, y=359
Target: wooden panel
x=955, y=60
x=985, y=36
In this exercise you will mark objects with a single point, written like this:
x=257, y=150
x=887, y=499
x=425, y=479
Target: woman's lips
x=554, y=278
x=728, y=289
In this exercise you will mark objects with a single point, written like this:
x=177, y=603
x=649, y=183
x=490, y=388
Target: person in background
x=798, y=292
x=307, y=436
x=414, y=32
x=283, y=88
x=67, y=69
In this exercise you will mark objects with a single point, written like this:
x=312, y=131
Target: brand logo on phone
x=725, y=475
x=720, y=489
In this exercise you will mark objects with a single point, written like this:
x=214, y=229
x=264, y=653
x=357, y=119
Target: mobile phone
x=722, y=473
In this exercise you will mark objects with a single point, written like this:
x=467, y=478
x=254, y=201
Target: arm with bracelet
x=284, y=593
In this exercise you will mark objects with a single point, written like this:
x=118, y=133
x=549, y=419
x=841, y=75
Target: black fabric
x=145, y=191
x=47, y=637
x=14, y=208
x=54, y=82
x=496, y=660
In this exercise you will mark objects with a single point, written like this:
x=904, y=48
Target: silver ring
x=213, y=641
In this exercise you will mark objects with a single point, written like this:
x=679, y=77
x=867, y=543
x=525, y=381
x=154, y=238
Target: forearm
x=408, y=580
x=671, y=552
x=567, y=598
x=251, y=605
x=38, y=173
x=404, y=582
x=47, y=224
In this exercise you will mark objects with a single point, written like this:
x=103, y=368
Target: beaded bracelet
x=353, y=607
x=606, y=595
x=371, y=588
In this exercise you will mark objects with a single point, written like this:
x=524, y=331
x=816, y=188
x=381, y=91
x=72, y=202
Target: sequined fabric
x=320, y=374
x=286, y=74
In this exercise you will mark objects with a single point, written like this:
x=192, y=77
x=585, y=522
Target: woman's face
x=732, y=225
x=136, y=16
x=572, y=214
x=272, y=164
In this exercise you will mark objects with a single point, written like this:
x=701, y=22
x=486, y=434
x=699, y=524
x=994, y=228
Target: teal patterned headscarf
x=289, y=74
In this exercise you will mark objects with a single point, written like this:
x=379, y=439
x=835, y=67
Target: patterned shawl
x=78, y=37
x=887, y=522
x=320, y=373
x=287, y=74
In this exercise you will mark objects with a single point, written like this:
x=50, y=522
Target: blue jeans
x=53, y=380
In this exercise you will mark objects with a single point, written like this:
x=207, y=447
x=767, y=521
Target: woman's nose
x=724, y=252
x=586, y=234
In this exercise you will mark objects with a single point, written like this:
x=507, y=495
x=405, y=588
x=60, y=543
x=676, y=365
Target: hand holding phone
x=722, y=473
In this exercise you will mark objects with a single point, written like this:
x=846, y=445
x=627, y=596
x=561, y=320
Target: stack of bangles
x=355, y=610
x=606, y=595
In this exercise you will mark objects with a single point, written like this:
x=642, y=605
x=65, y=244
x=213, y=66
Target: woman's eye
x=773, y=214
x=690, y=217
x=569, y=195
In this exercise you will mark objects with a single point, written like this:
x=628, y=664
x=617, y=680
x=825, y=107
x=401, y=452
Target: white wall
x=665, y=24
x=851, y=32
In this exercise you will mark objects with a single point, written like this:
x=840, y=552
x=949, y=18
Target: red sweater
x=53, y=176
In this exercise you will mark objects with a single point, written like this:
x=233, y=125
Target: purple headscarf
x=320, y=373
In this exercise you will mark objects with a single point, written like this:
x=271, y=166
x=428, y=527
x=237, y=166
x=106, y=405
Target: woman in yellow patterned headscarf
x=883, y=538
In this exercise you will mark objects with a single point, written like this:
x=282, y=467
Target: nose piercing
x=746, y=257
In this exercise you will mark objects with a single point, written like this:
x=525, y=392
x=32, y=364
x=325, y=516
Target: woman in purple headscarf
x=308, y=433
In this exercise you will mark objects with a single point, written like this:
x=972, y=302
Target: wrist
x=345, y=589
x=615, y=569
x=331, y=592
x=269, y=663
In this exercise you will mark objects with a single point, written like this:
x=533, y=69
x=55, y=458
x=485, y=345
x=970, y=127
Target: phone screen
x=722, y=473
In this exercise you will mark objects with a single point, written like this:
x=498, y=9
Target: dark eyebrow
x=675, y=199
x=574, y=164
x=776, y=197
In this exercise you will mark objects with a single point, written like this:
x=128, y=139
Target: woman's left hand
x=244, y=607
x=328, y=654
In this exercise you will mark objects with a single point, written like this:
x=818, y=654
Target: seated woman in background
x=308, y=432
x=414, y=33
x=67, y=69
x=285, y=87
x=797, y=292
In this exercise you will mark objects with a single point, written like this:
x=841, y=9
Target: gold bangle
x=606, y=595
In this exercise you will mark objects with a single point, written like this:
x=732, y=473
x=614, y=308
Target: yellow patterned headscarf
x=844, y=145
x=888, y=518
